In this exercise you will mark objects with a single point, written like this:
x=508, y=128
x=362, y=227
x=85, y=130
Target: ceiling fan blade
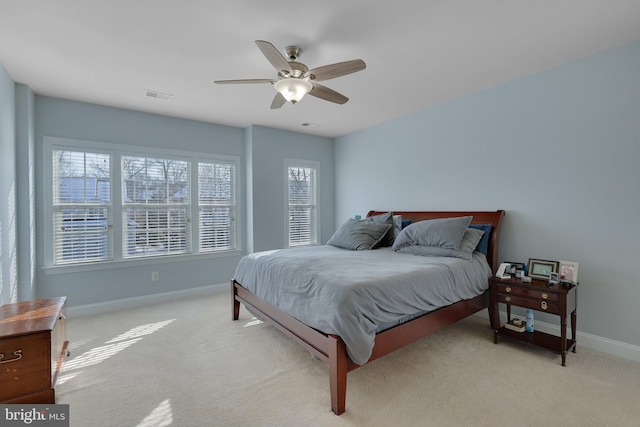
x=327, y=94
x=278, y=101
x=274, y=56
x=336, y=70
x=245, y=81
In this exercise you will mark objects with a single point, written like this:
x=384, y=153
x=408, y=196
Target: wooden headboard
x=481, y=217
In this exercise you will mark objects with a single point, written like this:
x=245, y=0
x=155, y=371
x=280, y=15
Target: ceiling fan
x=295, y=79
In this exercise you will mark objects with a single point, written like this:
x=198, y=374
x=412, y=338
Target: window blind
x=217, y=206
x=156, y=206
x=81, y=206
x=302, y=188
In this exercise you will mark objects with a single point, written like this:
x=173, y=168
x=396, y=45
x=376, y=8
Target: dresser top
x=29, y=317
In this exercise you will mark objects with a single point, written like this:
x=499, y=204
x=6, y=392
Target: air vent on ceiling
x=159, y=95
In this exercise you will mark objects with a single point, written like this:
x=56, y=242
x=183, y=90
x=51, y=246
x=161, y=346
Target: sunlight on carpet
x=161, y=416
x=115, y=345
x=140, y=331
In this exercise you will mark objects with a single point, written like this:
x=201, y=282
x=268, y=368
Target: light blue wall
x=8, y=214
x=557, y=150
x=77, y=120
x=25, y=194
x=268, y=149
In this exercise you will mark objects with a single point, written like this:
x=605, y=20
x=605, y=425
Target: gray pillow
x=385, y=218
x=397, y=226
x=359, y=235
x=467, y=246
x=443, y=232
x=470, y=240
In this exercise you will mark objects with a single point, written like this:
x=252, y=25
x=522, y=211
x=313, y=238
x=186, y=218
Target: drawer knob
x=507, y=299
x=545, y=296
x=543, y=304
x=508, y=289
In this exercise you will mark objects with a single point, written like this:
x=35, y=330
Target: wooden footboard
x=332, y=350
x=328, y=348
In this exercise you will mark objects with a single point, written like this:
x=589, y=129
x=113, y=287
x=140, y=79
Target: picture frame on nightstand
x=515, y=269
x=542, y=269
x=568, y=271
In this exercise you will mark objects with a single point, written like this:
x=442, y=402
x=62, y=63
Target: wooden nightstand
x=538, y=295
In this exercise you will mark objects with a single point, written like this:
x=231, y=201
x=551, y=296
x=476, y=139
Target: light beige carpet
x=187, y=364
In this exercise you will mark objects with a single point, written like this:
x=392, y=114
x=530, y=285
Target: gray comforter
x=354, y=294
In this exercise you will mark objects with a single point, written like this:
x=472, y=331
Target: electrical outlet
x=155, y=276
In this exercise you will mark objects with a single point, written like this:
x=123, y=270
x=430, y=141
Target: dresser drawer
x=528, y=293
x=535, y=304
x=26, y=364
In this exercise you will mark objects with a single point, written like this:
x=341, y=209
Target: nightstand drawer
x=528, y=293
x=535, y=304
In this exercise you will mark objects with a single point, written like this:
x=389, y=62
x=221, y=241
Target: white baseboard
x=594, y=342
x=127, y=303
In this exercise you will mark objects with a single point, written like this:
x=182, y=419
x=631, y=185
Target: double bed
x=349, y=307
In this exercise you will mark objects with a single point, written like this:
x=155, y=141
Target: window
x=111, y=204
x=81, y=206
x=302, y=203
x=217, y=206
x=155, y=201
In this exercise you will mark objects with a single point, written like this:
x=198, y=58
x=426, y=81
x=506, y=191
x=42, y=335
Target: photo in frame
x=568, y=271
x=542, y=269
x=515, y=268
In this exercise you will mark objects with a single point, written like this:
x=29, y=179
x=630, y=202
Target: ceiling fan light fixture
x=293, y=89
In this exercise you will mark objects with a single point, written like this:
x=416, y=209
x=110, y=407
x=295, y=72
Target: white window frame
x=297, y=163
x=117, y=151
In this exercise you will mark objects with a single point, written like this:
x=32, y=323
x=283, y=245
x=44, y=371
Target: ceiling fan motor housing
x=292, y=52
x=298, y=70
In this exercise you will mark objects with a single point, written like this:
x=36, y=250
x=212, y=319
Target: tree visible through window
x=302, y=205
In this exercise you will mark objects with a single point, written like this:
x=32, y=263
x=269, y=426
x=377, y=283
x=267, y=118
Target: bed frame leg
x=338, y=374
x=235, y=304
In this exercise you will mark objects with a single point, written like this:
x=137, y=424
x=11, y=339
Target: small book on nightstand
x=517, y=325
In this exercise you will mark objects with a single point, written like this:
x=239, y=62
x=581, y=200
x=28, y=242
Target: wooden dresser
x=33, y=346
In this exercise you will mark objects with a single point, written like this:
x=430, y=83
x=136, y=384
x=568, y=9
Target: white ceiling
x=418, y=52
